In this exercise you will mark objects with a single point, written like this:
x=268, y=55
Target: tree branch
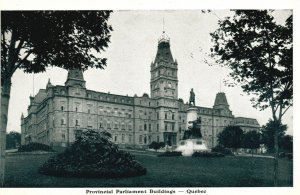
x=4, y=47
x=286, y=110
x=20, y=63
x=17, y=51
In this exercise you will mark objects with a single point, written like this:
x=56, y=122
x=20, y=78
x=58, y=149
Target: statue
x=192, y=98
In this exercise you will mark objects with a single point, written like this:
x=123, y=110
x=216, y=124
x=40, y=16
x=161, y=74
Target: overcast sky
x=132, y=49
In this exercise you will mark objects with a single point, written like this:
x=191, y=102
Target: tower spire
x=163, y=24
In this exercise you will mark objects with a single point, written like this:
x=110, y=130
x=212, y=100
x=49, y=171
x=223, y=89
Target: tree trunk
x=276, y=157
x=5, y=96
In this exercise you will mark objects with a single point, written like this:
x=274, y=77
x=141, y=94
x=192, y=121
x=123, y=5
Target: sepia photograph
x=170, y=101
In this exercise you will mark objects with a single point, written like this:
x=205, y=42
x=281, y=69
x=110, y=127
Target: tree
x=251, y=140
x=13, y=140
x=286, y=143
x=35, y=40
x=231, y=137
x=268, y=133
x=260, y=54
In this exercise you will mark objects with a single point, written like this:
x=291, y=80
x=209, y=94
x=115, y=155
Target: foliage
x=168, y=154
x=260, y=53
x=208, y=154
x=286, y=143
x=13, y=140
x=251, y=140
x=34, y=147
x=93, y=155
x=268, y=133
x=157, y=145
x=67, y=39
x=231, y=137
x=222, y=150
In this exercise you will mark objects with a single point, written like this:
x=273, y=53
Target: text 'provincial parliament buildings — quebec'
x=58, y=113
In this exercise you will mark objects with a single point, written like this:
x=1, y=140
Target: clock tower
x=164, y=81
x=164, y=89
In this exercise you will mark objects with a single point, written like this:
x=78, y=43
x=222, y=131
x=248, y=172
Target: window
x=62, y=108
x=63, y=136
x=129, y=138
x=173, y=127
x=123, y=138
x=166, y=127
x=166, y=116
x=149, y=127
x=157, y=138
x=89, y=111
x=76, y=123
x=157, y=127
x=172, y=116
x=108, y=125
x=145, y=127
x=116, y=125
x=157, y=115
x=140, y=138
x=100, y=125
x=62, y=121
x=76, y=109
x=116, y=138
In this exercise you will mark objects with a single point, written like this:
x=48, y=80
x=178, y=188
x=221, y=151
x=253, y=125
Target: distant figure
x=192, y=98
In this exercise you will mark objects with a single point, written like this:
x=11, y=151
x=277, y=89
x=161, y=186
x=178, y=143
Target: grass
x=230, y=171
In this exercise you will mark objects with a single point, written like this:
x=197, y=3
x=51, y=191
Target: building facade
x=57, y=114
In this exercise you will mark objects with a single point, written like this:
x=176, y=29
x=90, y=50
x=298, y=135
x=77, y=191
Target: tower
x=164, y=89
x=75, y=78
x=221, y=101
x=164, y=81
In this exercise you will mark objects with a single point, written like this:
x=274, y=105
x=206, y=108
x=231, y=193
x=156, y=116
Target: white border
x=175, y=4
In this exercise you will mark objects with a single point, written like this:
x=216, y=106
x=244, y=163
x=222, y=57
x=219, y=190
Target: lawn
x=231, y=171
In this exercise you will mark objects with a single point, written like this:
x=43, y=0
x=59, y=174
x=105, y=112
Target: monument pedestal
x=191, y=116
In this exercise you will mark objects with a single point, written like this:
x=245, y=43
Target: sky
x=132, y=49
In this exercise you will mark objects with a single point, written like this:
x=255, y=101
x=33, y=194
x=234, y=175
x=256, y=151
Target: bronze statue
x=192, y=98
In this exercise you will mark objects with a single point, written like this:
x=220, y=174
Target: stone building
x=57, y=114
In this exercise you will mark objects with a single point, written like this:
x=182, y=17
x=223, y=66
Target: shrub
x=222, y=150
x=92, y=155
x=34, y=147
x=208, y=154
x=157, y=145
x=167, y=154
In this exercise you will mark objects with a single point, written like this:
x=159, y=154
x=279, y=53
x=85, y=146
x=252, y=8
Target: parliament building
x=57, y=114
